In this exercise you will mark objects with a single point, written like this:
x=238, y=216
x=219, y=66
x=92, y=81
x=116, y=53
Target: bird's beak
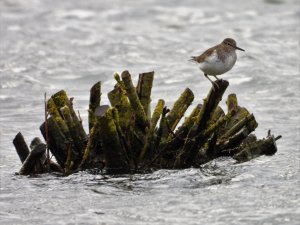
x=239, y=48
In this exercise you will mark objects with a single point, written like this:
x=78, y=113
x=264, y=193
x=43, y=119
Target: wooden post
x=178, y=110
x=53, y=165
x=150, y=135
x=187, y=154
x=32, y=159
x=141, y=118
x=57, y=141
x=61, y=99
x=21, y=147
x=240, y=113
x=95, y=98
x=113, y=152
x=182, y=131
x=239, y=125
x=218, y=114
x=56, y=115
x=144, y=90
x=119, y=100
x=76, y=138
x=91, y=146
x=40, y=166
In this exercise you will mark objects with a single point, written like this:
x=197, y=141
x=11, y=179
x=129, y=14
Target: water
x=51, y=45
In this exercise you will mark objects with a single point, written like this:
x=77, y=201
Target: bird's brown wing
x=201, y=58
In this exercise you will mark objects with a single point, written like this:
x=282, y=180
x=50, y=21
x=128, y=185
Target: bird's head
x=231, y=42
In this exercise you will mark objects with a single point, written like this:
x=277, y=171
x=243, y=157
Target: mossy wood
x=95, y=98
x=143, y=90
x=21, y=147
x=32, y=159
x=125, y=137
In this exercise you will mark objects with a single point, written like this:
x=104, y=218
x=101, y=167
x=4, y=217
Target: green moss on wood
x=114, y=154
x=179, y=108
x=239, y=125
x=57, y=116
x=119, y=100
x=157, y=113
x=195, y=139
x=150, y=134
x=95, y=98
x=137, y=108
x=61, y=99
x=143, y=89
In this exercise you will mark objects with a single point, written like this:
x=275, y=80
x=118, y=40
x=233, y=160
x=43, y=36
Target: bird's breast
x=213, y=65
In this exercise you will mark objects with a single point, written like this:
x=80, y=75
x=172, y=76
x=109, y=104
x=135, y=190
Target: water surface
x=50, y=45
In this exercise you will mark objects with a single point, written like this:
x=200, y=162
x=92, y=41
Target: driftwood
x=125, y=137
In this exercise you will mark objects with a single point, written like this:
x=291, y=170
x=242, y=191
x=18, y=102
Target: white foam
x=14, y=28
x=239, y=80
x=85, y=42
x=18, y=69
x=77, y=13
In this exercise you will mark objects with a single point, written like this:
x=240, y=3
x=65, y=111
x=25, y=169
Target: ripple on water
x=74, y=14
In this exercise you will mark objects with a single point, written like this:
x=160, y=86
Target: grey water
x=49, y=45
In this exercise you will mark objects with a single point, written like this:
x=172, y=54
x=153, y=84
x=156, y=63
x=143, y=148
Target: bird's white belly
x=215, y=66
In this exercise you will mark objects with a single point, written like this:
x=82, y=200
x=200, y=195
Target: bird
x=217, y=60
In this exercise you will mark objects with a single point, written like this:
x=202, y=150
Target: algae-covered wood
x=125, y=136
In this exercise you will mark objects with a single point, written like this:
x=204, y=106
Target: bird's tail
x=193, y=59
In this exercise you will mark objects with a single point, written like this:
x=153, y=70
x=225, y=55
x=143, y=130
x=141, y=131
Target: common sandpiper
x=218, y=59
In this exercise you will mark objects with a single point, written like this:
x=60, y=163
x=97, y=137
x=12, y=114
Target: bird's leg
x=213, y=83
x=208, y=78
x=216, y=77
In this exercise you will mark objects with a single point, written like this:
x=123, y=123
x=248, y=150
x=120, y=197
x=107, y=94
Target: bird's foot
x=215, y=86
